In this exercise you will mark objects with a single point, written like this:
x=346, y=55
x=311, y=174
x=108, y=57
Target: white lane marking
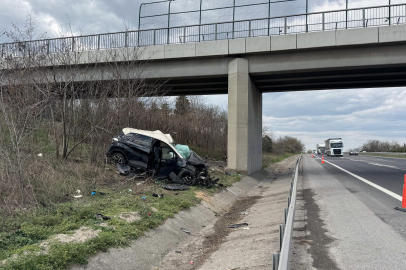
x=390, y=193
x=383, y=165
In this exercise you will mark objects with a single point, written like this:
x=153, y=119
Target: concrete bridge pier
x=244, y=119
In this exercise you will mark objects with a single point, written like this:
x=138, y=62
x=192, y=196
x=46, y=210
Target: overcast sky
x=312, y=116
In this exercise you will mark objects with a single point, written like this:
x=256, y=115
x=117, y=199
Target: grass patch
x=269, y=159
x=28, y=229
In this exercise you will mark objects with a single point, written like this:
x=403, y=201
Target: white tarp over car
x=157, y=134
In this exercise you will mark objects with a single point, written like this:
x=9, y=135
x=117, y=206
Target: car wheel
x=118, y=158
x=187, y=177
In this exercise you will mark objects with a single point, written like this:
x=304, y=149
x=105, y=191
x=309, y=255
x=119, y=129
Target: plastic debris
x=243, y=213
x=93, y=193
x=40, y=155
x=191, y=262
x=144, y=198
x=149, y=214
x=78, y=195
x=246, y=228
x=130, y=190
x=184, y=230
x=178, y=251
x=175, y=187
x=155, y=195
x=139, y=183
x=100, y=216
x=123, y=169
x=237, y=225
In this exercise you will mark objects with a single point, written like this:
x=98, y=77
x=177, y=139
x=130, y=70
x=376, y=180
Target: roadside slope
x=149, y=251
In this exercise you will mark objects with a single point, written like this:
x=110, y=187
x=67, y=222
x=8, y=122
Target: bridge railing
x=293, y=24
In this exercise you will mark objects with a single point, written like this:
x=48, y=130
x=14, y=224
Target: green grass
x=269, y=159
x=29, y=228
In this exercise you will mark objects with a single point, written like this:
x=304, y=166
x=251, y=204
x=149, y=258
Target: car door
x=168, y=160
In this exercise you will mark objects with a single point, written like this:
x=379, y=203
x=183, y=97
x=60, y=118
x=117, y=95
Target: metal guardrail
x=280, y=261
x=383, y=154
x=300, y=23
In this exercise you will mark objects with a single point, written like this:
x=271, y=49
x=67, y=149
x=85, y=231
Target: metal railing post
x=73, y=44
x=363, y=17
x=154, y=37
x=126, y=39
x=323, y=21
x=286, y=27
x=184, y=34
x=47, y=46
x=389, y=12
x=215, y=37
x=249, y=29
x=98, y=42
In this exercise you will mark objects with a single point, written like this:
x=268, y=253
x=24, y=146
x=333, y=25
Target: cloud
x=356, y=115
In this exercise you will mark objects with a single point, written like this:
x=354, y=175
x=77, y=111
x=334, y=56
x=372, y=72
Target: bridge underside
x=246, y=75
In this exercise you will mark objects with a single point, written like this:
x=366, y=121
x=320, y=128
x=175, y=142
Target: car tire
x=118, y=158
x=187, y=177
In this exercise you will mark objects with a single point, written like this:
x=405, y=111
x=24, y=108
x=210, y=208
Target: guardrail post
x=363, y=17
x=184, y=34
x=126, y=39
x=98, y=42
x=281, y=233
x=73, y=44
x=286, y=214
x=215, y=32
x=286, y=20
x=275, y=261
x=288, y=202
x=322, y=16
x=47, y=46
x=154, y=37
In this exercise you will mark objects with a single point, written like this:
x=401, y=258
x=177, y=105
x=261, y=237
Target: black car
x=353, y=153
x=154, y=152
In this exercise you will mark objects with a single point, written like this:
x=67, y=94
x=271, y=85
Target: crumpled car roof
x=157, y=134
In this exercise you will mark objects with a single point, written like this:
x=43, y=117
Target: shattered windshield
x=336, y=145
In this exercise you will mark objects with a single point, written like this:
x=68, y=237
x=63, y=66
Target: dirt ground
x=248, y=247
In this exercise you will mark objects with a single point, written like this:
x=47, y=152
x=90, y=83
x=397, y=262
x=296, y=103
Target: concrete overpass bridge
x=246, y=67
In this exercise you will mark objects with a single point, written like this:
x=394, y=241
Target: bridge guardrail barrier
x=280, y=261
x=292, y=24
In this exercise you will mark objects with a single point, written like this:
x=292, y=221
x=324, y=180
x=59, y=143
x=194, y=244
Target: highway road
x=346, y=217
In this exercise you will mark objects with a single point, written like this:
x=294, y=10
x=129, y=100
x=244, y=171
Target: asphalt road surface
x=349, y=220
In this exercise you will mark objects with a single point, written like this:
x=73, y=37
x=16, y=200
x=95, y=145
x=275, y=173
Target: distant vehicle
x=334, y=147
x=354, y=153
x=321, y=149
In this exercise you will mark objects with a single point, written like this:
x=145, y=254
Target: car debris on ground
x=237, y=225
x=153, y=154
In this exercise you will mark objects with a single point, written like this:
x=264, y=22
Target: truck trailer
x=320, y=149
x=334, y=147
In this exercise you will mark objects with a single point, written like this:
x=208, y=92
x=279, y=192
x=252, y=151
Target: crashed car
x=155, y=153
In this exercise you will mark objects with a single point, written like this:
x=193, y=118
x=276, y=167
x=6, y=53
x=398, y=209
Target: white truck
x=334, y=147
x=321, y=148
